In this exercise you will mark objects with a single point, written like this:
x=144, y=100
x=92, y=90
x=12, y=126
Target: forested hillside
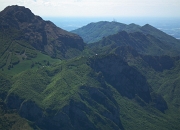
x=51, y=80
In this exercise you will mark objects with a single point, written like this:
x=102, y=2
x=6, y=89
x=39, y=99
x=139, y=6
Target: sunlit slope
x=80, y=91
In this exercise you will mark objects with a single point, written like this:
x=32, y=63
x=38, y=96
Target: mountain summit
x=42, y=35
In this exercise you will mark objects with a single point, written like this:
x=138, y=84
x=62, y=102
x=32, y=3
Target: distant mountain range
x=94, y=32
x=145, y=39
x=169, y=25
x=127, y=79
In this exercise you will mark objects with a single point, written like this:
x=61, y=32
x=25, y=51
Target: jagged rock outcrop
x=127, y=80
x=105, y=98
x=30, y=110
x=159, y=102
x=73, y=116
x=160, y=63
x=78, y=114
x=13, y=101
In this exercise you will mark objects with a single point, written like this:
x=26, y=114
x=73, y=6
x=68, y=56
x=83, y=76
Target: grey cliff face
x=127, y=80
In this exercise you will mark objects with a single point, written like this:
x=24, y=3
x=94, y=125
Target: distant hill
x=148, y=29
x=94, y=32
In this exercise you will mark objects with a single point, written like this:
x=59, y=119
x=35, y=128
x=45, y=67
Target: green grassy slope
x=10, y=119
x=74, y=88
x=20, y=26
x=18, y=55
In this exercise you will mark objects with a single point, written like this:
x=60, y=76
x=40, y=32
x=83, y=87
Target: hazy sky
x=148, y=8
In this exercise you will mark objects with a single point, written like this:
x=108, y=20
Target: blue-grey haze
x=170, y=26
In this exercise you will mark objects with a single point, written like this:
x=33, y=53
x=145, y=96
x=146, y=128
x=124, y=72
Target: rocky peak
x=14, y=16
x=42, y=35
x=21, y=13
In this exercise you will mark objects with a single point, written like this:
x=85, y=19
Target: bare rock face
x=159, y=102
x=30, y=111
x=70, y=117
x=105, y=98
x=42, y=35
x=160, y=63
x=77, y=113
x=127, y=80
x=13, y=101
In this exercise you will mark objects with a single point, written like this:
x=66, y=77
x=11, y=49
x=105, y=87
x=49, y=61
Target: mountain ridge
x=118, y=83
x=143, y=43
x=93, y=32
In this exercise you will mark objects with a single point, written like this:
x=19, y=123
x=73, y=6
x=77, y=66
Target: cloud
x=77, y=0
x=99, y=7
